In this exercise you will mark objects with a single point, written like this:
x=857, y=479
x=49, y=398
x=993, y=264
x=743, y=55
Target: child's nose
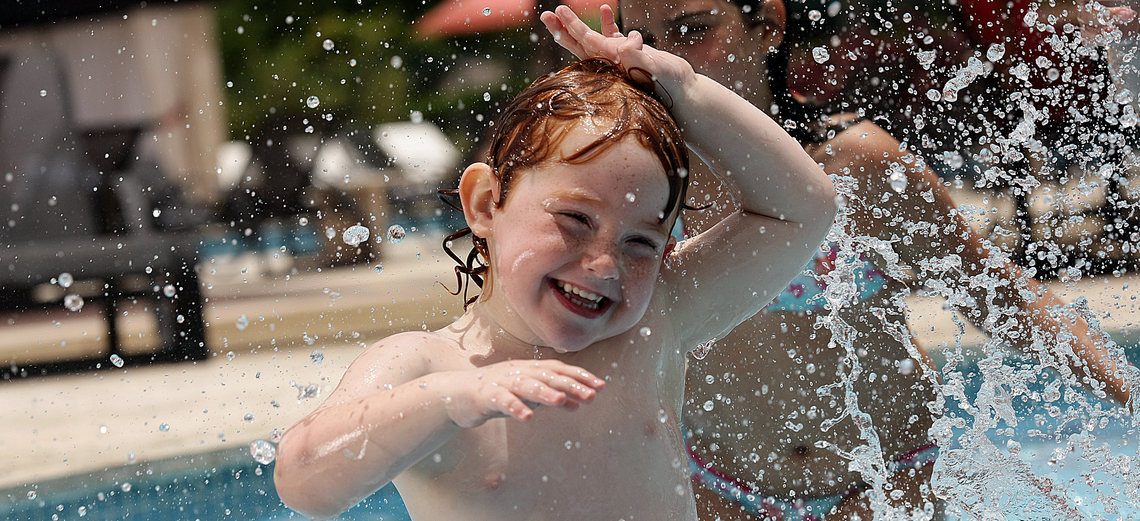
x=602, y=262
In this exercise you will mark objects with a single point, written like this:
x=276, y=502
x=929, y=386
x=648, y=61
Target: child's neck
x=478, y=331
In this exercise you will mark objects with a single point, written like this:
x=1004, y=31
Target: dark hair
x=801, y=120
x=532, y=127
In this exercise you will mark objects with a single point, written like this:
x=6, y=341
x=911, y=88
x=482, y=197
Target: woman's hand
x=1099, y=21
x=671, y=73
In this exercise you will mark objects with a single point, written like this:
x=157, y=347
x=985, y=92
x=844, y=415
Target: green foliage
x=377, y=71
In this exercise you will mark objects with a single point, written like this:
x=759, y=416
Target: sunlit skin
x=474, y=421
x=767, y=371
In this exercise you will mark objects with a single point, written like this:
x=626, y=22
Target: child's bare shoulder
x=394, y=360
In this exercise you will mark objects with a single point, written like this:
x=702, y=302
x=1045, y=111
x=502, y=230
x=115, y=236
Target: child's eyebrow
x=574, y=194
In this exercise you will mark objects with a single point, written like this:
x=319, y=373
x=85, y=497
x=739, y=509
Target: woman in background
x=772, y=429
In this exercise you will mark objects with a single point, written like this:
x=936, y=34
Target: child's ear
x=478, y=191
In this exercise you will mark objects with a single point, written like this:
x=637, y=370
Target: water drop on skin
x=165, y=427
x=43, y=93
x=898, y=182
x=313, y=102
x=645, y=332
x=379, y=268
x=248, y=417
x=486, y=11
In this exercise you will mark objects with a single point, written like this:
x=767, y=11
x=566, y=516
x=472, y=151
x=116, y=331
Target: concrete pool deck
x=65, y=425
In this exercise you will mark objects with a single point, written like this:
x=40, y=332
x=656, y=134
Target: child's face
x=576, y=249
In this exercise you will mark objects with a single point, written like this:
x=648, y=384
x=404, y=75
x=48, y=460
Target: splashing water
x=317, y=356
x=262, y=451
x=73, y=302
x=65, y=280
x=355, y=235
x=117, y=360
x=242, y=322
x=304, y=392
x=396, y=234
x=312, y=102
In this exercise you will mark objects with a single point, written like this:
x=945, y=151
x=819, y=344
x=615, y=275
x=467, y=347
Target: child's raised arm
x=787, y=203
x=399, y=402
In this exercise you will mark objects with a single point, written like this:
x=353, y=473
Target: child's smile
x=576, y=248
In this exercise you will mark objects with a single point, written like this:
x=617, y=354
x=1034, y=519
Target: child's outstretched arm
x=787, y=204
x=395, y=405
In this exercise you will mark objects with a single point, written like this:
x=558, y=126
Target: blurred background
x=208, y=207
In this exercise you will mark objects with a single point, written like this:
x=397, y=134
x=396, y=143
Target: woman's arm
x=787, y=203
x=982, y=282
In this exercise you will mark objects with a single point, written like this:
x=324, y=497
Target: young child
x=586, y=304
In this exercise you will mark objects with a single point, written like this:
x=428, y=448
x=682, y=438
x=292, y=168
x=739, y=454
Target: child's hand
x=515, y=387
x=671, y=73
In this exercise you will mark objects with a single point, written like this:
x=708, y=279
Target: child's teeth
x=569, y=288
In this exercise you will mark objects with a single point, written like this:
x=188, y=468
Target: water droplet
x=330, y=233
x=820, y=55
x=1124, y=96
x=328, y=45
x=436, y=457
x=303, y=221
x=379, y=268
x=257, y=471
x=317, y=356
x=230, y=355
x=417, y=117
x=313, y=102
x=65, y=280
x=248, y=417
x=995, y=52
x=73, y=302
x=709, y=378
x=569, y=445
x=131, y=456
x=169, y=290
x=933, y=95
x=126, y=487
x=275, y=436
x=630, y=197
x=262, y=452
x=396, y=234
x=680, y=490
x=308, y=339
x=242, y=322
x=31, y=494
x=397, y=62
x=486, y=11
x=702, y=350
x=898, y=181
x=305, y=392
x=662, y=416
x=117, y=360
x=165, y=427
x=708, y=406
x=486, y=96
x=814, y=15
x=644, y=332
x=352, y=62
x=355, y=235
x=229, y=84
x=43, y=93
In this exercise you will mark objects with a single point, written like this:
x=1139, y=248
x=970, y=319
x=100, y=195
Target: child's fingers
x=561, y=35
x=609, y=23
x=580, y=33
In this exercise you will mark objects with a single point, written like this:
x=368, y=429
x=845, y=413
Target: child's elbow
x=298, y=484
